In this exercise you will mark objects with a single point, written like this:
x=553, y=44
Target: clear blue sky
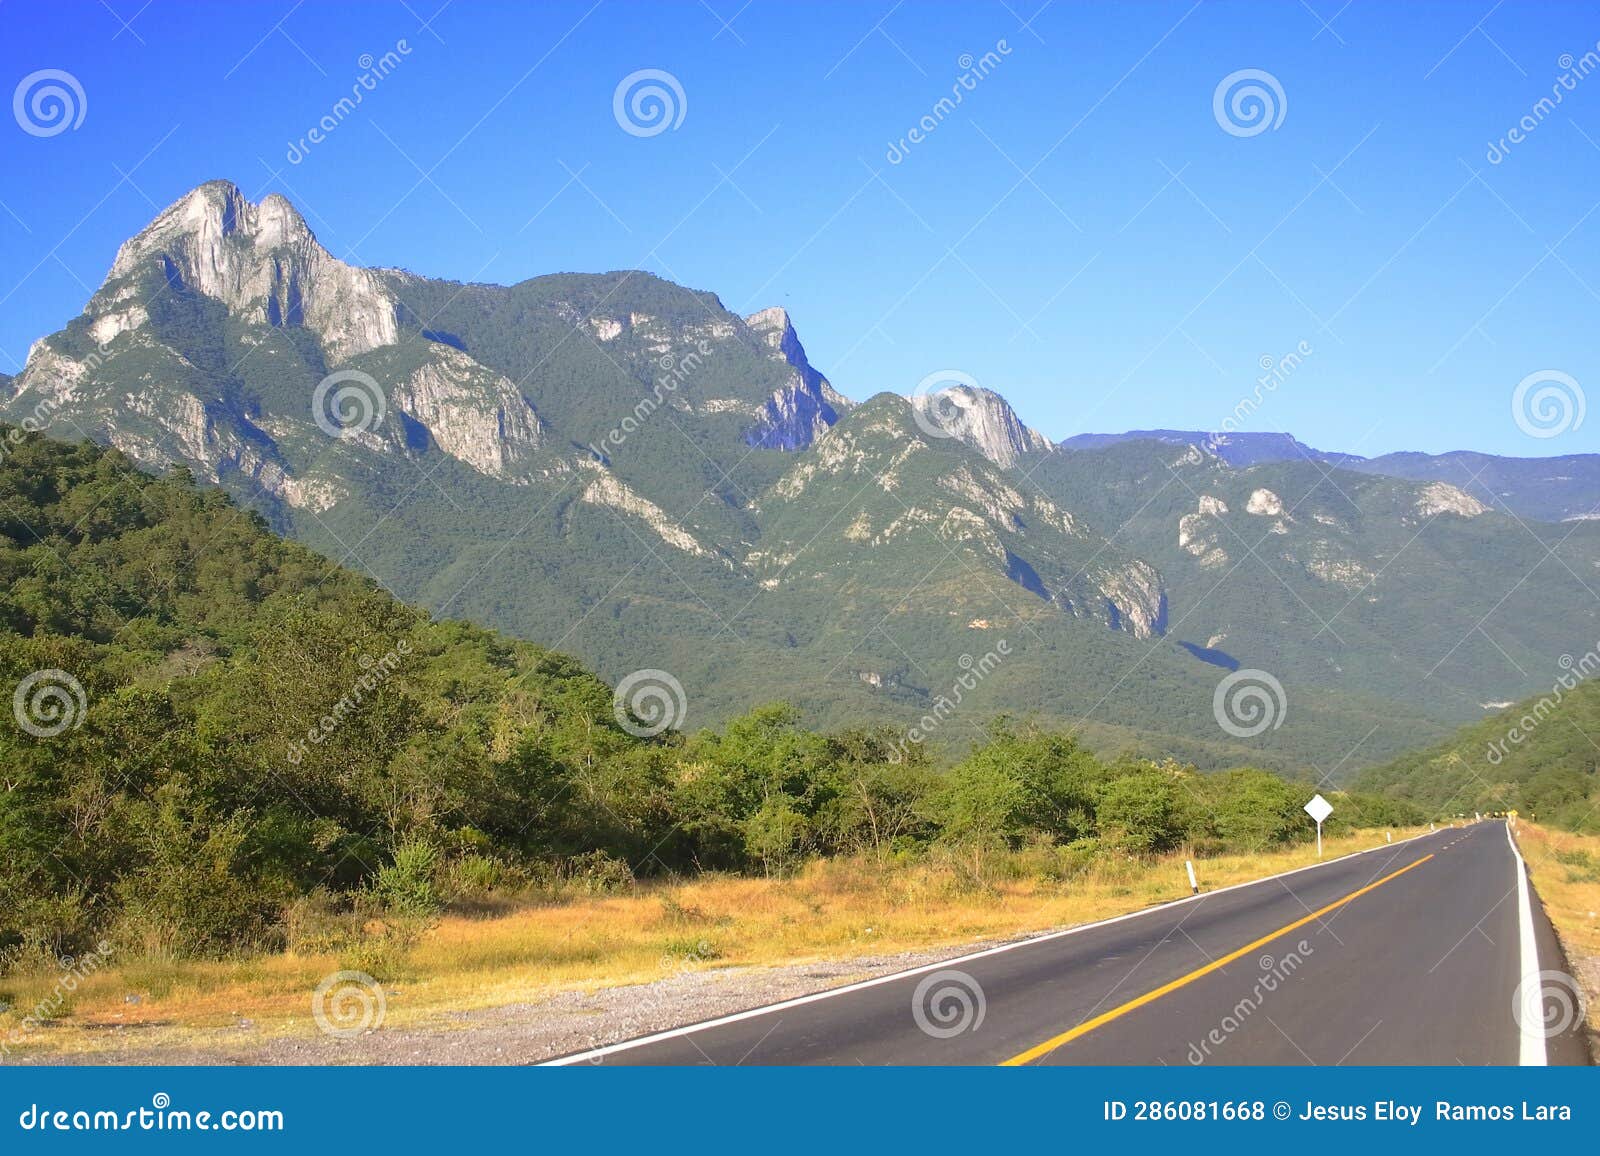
x=1136, y=277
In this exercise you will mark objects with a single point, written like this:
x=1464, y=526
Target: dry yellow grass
x=523, y=951
x=1565, y=869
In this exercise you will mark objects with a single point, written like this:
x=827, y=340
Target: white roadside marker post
x=1194, y=887
x=1388, y=836
x=1319, y=809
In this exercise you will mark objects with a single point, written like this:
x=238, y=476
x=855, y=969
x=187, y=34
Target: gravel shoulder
x=524, y=1033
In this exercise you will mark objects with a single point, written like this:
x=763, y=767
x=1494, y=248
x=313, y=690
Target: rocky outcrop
x=1200, y=534
x=963, y=525
x=1136, y=598
x=1443, y=498
x=472, y=413
x=791, y=419
x=261, y=261
x=805, y=406
x=775, y=330
x=197, y=436
x=1264, y=504
x=983, y=419
x=608, y=490
x=50, y=377
x=1001, y=503
x=1346, y=572
x=877, y=449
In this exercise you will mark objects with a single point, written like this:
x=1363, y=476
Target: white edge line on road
x=595, y=1054
x=1533, y=1052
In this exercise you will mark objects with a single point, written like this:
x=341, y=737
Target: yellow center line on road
x=1104, y=1018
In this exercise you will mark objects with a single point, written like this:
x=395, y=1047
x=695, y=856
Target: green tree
x=1255, y=809
x=1144, y=811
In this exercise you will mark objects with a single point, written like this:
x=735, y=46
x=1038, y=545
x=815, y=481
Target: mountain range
x=1555, y=489
x=619, y=467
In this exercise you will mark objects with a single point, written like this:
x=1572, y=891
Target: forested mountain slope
x=1537, y=757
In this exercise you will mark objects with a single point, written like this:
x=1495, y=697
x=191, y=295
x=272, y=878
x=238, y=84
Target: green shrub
x=1143, y=812
x=1582, y=867
x=193, y=895
x=775, y=834
x=474, y=876
x=690, y=950
x=598, y=872
x=1253, y=810
x=321, y=924
x=381, y=952
x=406, y=885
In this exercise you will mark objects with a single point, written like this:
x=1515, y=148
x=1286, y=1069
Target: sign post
x=1319, y=809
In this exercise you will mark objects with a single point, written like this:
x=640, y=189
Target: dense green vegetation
x=1538, y=758
x=258, y=726
x=1359, y=584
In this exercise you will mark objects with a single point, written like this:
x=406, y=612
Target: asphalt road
x=1408, y=954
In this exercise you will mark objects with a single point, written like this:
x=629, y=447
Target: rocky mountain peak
x=808, y=404
x=981, y=418
x=773, y=326
x=199, y=220
x=261, y=260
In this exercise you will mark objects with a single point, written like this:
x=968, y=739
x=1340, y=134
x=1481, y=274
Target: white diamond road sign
x=1319, y=809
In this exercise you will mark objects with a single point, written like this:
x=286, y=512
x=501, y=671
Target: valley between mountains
x=618, y=467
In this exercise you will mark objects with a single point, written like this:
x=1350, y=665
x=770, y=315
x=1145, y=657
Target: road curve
x=1410, y=953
